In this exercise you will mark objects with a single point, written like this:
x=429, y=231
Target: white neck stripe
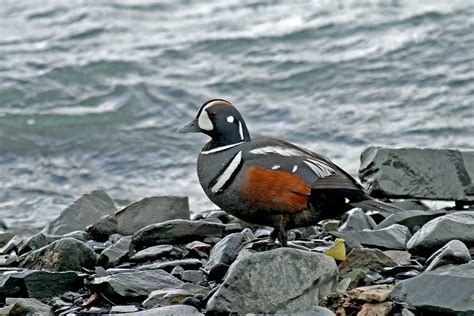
x=222, y=148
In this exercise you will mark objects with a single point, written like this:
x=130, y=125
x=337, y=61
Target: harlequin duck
x=268, y=181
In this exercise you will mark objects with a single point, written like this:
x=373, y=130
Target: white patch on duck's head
x=204, y=122
x=230, y=119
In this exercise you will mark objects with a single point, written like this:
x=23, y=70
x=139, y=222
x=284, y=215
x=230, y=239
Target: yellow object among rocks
x=338, y=250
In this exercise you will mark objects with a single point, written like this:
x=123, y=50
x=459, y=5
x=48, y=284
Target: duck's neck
x=229, y=138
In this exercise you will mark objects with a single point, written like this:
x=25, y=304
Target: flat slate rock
x=439, y=231
x=62, y=255
x=283, y=280
x=411, y=219
x=116, y=252
x=155, y=252
x=367, y=259
x=448, y=289
x=172, y=296
x=175, y=231
x=392, y=237
x=454, y=252
x=186, y=264
x=150, y=210
x=134, y=287
x=85, y=211
x=38, y=284
x=421, y=173
x=25, y=306
x=169, y=311
x=358, y=220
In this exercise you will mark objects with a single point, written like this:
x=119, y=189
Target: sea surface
x=91, y=92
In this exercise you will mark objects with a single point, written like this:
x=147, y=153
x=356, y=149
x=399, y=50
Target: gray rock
x=62, y=255
x=439, y=231
x=437, y=174
x=4, y=238
x=193, y=276
x=134, y=287
x=224, y=253
x=367, y=259
x=156, y=252
x=186, y=264
x=169, y=311
x=358, y=221
x=122, y=309
x=414, y=205
x=8, y=260
x=12, y=245
x=172, y=296
x=411, y=219
x=392, y=237
x=198, y=248
x=154, y=209
x=36, y=242
x=38, y=284
x=448, y=289
x=317, y=311
x=454, y=252
x=115, y=253
x=101, y=230
x=175, y=231
x=402, y=258
x=26, y=306
x=85, y=211
x=282, y=280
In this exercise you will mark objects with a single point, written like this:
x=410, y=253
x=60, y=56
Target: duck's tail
x=376, y=205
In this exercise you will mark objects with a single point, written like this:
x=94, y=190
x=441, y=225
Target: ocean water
x=91, y=92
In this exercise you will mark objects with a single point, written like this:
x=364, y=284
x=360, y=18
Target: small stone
x=121, y=309
x=357, y=221
x=172, y=296
x=134, y=287
x=401, y=258
x=103, y=228
x=177, y=272
x=5, y=238
x=12, y=245
x=8, y=260
x=155, y=252
x=233, y=228
x=372, y=309
x=367, y=259
x=154, y=209
x=26, y=306
x=186, y=264
x=392, y=237
x=330, y=225
x=85, y=211
x=193, y=276
x=411, y=219
x=175, y=231
x=251, y=285
x=114, y=254
x=62, y=255
x=454, y=252
x=168, y=311
x=198, y=248
x=373, y=293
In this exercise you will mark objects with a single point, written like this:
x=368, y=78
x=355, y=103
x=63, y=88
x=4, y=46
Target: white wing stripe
x=228, y=172
x=320, y=169
x=276, y=150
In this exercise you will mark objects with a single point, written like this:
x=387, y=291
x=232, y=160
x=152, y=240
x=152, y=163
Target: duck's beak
x=190, y=128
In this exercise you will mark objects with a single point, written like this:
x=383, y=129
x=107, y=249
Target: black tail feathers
x=376, y=205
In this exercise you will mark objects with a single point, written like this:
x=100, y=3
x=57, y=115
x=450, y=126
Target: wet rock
x=411, y=219
x=175, y=231
x=392, y=237
x=25, y=306
x=156, y=252
x=224, y=253
x=198, y=249
x=454, y=252
x=447, y=289
x=439, y=231
x=12, y=245
x=62, y=255
x=436, y=174
x=113, y=255
x=172, y=296
x=154, y=209
x=85, y=211
x=186, y=264
x=134, y=287
x=251, y=286
x=357, y=221
x=169, y=310
x=101, y=230
x=122, y=309
x=367, y=259
x=401, y=258
x=38, y=284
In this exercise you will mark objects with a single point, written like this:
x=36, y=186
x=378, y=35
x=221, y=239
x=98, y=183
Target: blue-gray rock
x=411, y=219
x=317, y=311
x=85, y=211
x=448, y=289
x=169, y=311
x=67, y=254
x=115, y=253
x=392, y=237
x=36, y=242
x=134, y=287
x=25, y=306
x=367, y=259
x=4, y=238
x=38, y=284
x=186, y=264
x=454, y=252
x=155, y=252
x=123, y=309
x=150, y=210
x=283, y=280
x=12, y=245
x=421, y=173
x=437, y=232
x=358, y=220
x=172, y=296
x=101, y=230
x=175, y=231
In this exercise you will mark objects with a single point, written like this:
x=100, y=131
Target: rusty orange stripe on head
x=275, y=190
x=217, y=102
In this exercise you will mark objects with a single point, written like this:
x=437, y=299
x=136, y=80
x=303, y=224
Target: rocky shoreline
x=155, y=257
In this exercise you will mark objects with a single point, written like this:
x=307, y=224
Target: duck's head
x=221, y=121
